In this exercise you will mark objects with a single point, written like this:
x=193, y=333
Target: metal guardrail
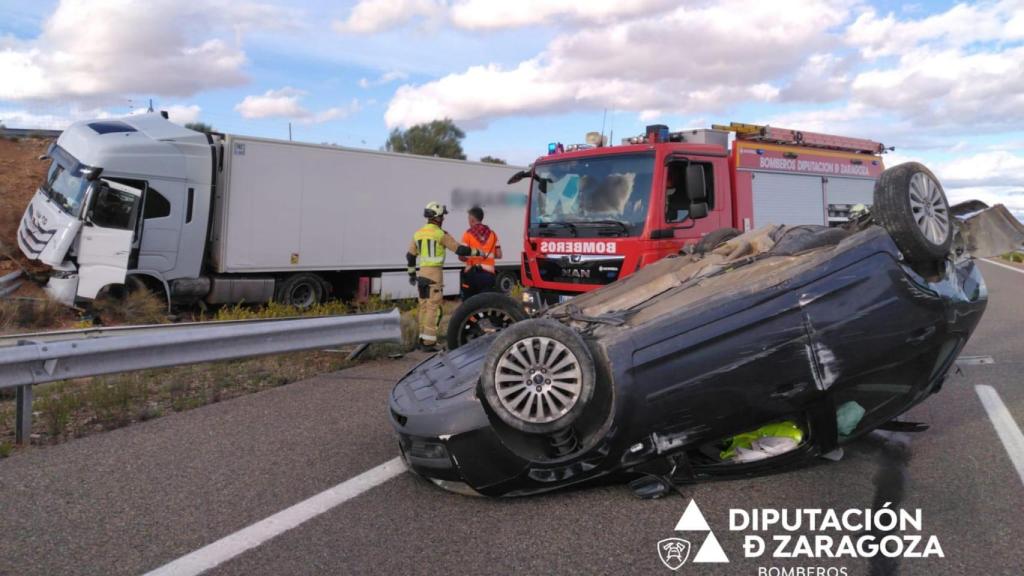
x=9, y=283
x=29, y=359
x=29, y=133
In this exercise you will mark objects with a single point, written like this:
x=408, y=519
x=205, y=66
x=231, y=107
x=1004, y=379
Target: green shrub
x=277, y=310
x=113, y=400
x=57, y=406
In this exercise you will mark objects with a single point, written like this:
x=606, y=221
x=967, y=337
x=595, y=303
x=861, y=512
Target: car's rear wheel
x=538, y=376
x=481, y=315
x=911, y=205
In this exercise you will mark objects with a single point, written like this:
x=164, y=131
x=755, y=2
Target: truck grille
x=33, y=237
x=580, y=269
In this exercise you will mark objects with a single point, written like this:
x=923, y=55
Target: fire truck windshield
x=598, y=196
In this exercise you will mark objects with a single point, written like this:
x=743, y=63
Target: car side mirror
x=698, y=210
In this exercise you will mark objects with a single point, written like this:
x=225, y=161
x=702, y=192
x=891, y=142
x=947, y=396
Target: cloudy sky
x=943, y=82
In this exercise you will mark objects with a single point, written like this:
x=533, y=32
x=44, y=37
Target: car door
x=107, y=233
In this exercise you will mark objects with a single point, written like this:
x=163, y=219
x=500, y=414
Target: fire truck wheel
x=715, y=238
x=538, y=376
x=911, y=205
x=481, y=315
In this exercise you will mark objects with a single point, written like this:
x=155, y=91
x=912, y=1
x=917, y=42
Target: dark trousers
x=475, y=281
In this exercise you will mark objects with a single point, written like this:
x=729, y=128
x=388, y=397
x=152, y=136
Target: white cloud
x=996, y=168
x=961, y=25
x=335, y=113
x=949, y=88
x=369, y=16
x=385, y=78
x=21, y=118
x=682, y=62
x=491, y=14
x=99, y=50
x=284, y=103
x=180, y=114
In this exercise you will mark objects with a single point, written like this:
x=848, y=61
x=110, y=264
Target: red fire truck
x=598, y=213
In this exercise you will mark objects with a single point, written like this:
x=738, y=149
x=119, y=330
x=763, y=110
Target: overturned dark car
x=777, y=346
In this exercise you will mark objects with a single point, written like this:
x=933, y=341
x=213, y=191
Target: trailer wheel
x=912, y=207
x=715, y=238
x=481, y=315
x=538, y=376
x=302, y=290
x=506, y=281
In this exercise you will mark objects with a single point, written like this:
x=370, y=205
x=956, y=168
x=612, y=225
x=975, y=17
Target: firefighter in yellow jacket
x=429, y=245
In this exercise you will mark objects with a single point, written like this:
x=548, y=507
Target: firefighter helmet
x=435, y=210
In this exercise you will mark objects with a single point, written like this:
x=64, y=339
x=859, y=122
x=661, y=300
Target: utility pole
x=150, y=105
x=289, y=131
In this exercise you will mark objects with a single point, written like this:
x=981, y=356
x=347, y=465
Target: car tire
x=302, y=290
x=912, y=207
x=481, y=315
x=715, y=238
x=538, y=376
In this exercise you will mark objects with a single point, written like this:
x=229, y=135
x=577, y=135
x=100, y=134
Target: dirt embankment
x=21, y=172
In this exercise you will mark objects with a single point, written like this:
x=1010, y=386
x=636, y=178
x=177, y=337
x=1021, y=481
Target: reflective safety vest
x=428, y=243
x=470, y=239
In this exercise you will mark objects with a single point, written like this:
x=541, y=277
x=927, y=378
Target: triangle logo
x=692, y=519
x=710, y=551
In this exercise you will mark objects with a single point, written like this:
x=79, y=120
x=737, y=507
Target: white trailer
x=229, y=218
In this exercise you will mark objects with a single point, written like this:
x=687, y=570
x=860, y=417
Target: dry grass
x=137, y=307
x=21, y=172
x=1015, y=257
x=33, y=314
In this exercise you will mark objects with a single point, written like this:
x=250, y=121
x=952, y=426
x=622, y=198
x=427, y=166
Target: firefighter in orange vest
x=428, y=245
x=478, y=274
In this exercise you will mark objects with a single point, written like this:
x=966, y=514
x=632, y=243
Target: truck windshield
x=600, y=196
x=66, y=184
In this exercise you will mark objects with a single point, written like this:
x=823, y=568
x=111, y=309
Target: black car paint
x=850, y=322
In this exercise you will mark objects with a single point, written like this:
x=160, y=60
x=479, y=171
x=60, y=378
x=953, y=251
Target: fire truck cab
x=599, y=213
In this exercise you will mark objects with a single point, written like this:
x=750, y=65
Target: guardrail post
x=23, y=417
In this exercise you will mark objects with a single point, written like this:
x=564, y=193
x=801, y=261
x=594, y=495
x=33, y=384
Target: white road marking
x=252, y=536
x=974, y=360
x=1007, y=266
x=1006, y=428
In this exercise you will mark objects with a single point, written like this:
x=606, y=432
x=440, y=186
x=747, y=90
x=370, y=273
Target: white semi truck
x=141, y=201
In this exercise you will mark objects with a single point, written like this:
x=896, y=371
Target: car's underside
x=779, y=345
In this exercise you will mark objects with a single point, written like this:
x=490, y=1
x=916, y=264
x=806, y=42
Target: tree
x=199, y=127
x=438, y=138
x=492, y=160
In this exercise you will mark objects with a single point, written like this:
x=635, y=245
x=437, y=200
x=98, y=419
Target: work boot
x=424, y=347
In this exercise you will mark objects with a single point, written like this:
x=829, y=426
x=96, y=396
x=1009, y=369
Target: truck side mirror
x=518, y=176
x=696, y=186
x=698, y=210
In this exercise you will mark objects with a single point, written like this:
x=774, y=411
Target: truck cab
x=599, y=213
x=108, y=181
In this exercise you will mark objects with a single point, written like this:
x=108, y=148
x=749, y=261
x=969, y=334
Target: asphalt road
x=135, y=499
